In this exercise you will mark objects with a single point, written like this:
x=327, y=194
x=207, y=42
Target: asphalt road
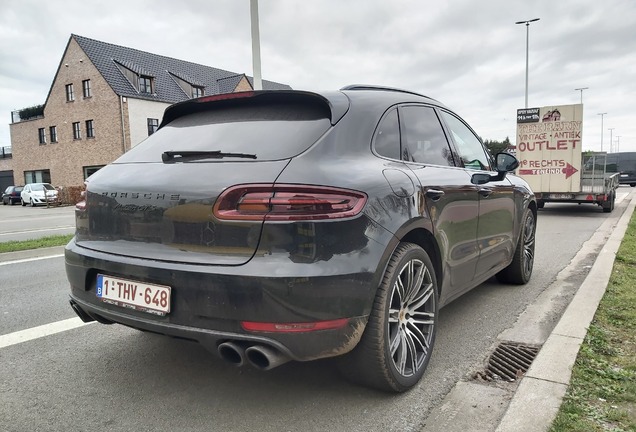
x=113, y=378
x=24, y=223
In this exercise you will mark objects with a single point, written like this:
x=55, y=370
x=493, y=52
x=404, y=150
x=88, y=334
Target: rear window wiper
x=169, y=156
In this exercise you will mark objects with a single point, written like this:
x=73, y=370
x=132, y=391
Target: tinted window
x=271, y=131
x=387, y=137
x=423, y=136
x=468, y=145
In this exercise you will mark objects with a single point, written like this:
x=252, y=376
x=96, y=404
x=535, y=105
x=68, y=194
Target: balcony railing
x=27, y=113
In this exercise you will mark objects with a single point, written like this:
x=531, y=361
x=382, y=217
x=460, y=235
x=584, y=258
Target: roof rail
x=382, y=88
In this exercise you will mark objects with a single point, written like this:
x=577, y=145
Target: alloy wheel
x=528, y=244
x=411, y=320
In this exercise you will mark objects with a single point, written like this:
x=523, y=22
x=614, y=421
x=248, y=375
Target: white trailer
x=549, y=149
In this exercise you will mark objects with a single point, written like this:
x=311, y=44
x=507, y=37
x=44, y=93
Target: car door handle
x=485, y=192
x=434, y=194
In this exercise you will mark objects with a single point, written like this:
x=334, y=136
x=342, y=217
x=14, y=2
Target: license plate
x=154, y=299
x=624, y=175
x=561, y=196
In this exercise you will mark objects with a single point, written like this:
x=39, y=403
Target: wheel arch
x=425, y=239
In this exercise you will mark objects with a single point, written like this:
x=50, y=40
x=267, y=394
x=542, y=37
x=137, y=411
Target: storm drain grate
x=509, y=362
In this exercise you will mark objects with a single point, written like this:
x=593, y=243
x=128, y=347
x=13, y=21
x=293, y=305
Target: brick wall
x=66, y=158
x=243, y=85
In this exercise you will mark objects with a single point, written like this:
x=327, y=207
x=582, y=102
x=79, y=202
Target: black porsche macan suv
x=287, y=225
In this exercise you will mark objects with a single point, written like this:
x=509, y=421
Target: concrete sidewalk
x=536, y=401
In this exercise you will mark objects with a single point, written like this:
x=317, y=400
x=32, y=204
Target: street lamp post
x=618, y=143
x=602, y=114
x=256, y=45
x=581, y=90
x=527, y=23
x=611, y=142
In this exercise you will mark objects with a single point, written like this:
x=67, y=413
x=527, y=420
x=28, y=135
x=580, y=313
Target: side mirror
x=504, y=163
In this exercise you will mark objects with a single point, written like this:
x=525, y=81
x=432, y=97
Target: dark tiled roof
x=105, y=56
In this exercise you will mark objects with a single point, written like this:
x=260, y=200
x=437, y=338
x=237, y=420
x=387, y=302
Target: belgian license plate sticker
x=141, y=296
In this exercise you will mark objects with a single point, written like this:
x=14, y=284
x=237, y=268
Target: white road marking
x=40, y=331
x=30, y=259
x=38, y=230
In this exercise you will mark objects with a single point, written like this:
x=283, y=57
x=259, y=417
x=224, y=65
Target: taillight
x=288, y=203
x=293, y=327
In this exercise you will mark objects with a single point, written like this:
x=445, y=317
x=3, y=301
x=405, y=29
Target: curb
x=30, y=254
x=538, y=398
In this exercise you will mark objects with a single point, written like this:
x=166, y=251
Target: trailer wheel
x=540, y=203
x=608, y=205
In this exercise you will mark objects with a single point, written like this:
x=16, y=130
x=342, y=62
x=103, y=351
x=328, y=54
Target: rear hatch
x=157, y=201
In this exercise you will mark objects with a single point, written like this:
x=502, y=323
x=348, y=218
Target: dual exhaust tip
x=260, y=356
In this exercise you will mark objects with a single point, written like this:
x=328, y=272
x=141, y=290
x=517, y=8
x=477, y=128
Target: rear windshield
x=271, y=132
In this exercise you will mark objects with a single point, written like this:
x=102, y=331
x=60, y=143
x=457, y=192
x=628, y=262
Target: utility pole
x=611, y=142
x=256, y=46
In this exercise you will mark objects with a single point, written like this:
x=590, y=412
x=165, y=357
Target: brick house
x=103, y=101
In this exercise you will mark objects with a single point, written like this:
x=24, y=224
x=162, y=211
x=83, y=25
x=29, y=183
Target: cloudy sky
x=468, y=54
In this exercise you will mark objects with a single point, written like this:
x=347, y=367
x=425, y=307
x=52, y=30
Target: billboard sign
x=549, y=147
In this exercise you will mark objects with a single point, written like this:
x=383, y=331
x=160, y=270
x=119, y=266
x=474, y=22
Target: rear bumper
x=208, y=303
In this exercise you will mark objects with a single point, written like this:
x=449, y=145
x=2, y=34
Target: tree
x=497, y=146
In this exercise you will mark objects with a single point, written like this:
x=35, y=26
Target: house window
x=70, y=96
x=90, y=132
x=197, y=92
x=145, y=84
x=40, y=176
x=153, y=125
x=86, y=88
x=77, y=133
x=53, y=133
x=90, y=170
x=42, y=135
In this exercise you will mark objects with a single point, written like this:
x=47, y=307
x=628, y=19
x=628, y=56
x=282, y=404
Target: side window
x=423, y=137
x=468, y=145
x=387, y=137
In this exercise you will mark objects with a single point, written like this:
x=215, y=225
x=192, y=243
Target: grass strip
x=49, y=241
x=602, y=391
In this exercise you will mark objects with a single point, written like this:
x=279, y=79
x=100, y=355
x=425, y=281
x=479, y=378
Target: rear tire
x=608, y=205
x=520, y=269
x=398, y=340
